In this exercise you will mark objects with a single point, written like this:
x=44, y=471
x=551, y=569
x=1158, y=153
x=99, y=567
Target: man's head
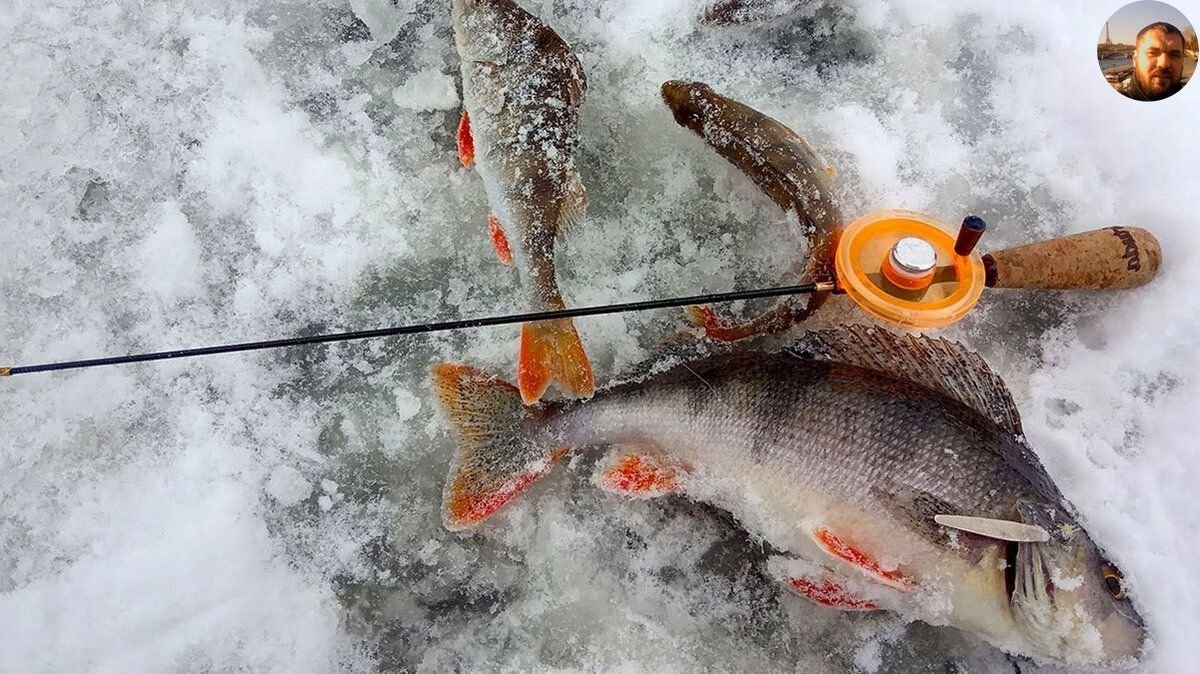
x=1158, y=60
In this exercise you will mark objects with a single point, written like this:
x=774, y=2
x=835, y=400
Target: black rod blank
x=460, y=324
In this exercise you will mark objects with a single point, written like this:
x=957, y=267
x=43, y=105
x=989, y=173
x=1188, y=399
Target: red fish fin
x=466, y=144
x=829, y=593
x=551, y=350
x=703, y=316
x=820, y=585
x=496, y=457
x=831, y=543
x=638, y=474
x=574, y=205
x=779, y=318
x=499, y=240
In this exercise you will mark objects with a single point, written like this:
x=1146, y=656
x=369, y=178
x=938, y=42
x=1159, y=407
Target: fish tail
x=551, y=350
x=782, y=316
x=499, y=453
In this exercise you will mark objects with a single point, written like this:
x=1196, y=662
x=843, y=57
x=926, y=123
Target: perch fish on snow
x=787, y=169
x=522, y=87
x=889, y=472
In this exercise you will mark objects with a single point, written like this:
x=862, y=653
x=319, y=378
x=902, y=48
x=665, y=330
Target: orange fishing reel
x=910, y=269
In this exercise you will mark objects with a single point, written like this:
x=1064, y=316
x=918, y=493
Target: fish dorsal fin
x=574, y=204
x=576, y=82
x=933, y=362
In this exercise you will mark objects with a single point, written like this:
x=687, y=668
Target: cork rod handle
x=1102, y=259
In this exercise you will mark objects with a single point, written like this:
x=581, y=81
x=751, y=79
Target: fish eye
x=1112, y=580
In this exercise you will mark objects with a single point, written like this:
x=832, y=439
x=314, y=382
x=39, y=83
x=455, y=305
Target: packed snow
x=178, y=174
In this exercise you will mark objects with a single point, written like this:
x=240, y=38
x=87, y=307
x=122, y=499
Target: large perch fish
x=522, y=88
x=786, y=168
x=889, y=472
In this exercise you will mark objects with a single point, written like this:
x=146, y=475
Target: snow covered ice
x=178, y=174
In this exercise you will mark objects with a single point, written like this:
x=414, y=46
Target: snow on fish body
x=785, y=167
x=840, y=452
x=522, y=87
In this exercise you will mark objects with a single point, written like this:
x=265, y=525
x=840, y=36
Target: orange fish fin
x=832, y=544
x=497, y=455
x=551, y=350
x=466, y=144
x=703, y=316
x=574, y=205
x=777, y=319
x=820, y=585
x=633, y=471
x=499, y=240
x=717, y=328
x=829, y=593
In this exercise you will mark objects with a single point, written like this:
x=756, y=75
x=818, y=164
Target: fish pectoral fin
x=868, y=565
x=498, y=455
x=466, y=143
x=574, y=205
x=551, y=350
x=823, y=586
x=499, y=240
x=638, y=472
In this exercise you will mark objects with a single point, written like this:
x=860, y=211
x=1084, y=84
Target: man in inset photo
x=1157, y=64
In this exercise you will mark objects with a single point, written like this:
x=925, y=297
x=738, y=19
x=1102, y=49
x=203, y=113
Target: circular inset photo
x=1147, y=50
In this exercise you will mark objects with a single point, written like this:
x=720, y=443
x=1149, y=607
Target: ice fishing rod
x=422, y=328
x=903, y=267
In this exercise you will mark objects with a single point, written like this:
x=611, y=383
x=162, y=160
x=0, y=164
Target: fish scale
x=839, y=428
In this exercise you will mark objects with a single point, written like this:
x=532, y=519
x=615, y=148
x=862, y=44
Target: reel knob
x=910, y=264
x=901, y=266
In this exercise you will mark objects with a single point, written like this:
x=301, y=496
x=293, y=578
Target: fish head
x=692, y=103
x=482, y=29
x=1066, y=597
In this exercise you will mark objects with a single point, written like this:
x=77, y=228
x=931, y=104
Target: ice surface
x=178, y=174
x=288, y=486
x=428, y=90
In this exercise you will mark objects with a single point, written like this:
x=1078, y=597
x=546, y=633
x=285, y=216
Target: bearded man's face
x=1158, y=63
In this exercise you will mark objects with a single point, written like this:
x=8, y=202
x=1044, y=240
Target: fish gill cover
x=187, y=173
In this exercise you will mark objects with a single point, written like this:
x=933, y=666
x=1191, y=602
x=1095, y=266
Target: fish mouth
x=684, y=98
x=678, y=93
x=459, y=9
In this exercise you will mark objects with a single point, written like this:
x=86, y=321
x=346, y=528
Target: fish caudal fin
x=499, y=240
x=703, y=316
x=498, y=454
x=466, y=144
x=779, y=318
x=551, y=350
